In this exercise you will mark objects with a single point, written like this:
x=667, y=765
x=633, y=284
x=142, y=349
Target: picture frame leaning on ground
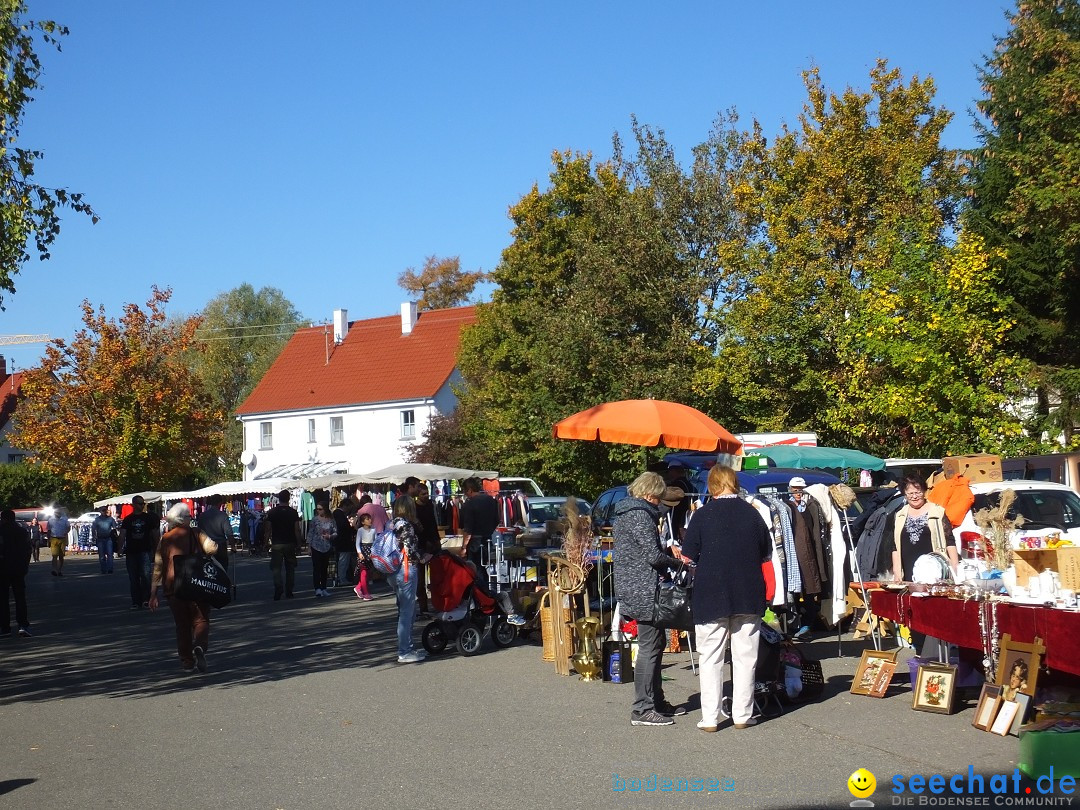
x=987, y=707
x=866, y=674
x=935, y=688
x=1018, y=666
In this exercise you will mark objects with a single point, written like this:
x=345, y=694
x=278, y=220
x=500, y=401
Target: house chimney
x=3, y=366
x=408, y=317
x=341, y=324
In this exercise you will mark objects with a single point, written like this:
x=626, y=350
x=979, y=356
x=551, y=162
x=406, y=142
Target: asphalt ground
x=304, y=706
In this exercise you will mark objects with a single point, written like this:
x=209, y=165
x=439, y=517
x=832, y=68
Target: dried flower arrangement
x=996, y=527
x=577, y=544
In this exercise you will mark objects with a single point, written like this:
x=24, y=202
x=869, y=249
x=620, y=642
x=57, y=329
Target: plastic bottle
x=615, y=667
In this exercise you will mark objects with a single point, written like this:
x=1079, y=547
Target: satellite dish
x=247, y=458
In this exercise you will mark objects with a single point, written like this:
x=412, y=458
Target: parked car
x=526, y=485
x=766, y=481
x=1046, y=507
x=551, y=507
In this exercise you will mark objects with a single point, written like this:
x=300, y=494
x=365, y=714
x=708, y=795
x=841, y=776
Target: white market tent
x=425, y=472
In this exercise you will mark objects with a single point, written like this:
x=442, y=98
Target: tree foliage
x=1024, y=195
x=28, y=210
x=440, y=282
x=27, y=485
x=592, y=304
x=241, y=333
x=118, y=409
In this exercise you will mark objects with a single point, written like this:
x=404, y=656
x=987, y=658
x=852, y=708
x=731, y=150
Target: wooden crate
x=974, y=468
x=1030, y=562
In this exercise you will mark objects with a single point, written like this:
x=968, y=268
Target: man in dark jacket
x=215, y=523
x=638, y=561
x=14, y=563
x=345, y=542
x=479, y=520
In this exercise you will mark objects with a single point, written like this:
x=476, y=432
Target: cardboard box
x=974, y=468
x=1030, y=562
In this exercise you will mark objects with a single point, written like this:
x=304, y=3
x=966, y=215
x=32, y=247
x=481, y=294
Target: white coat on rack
x=838, y=598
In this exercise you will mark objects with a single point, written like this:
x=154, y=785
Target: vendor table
x=957, y=622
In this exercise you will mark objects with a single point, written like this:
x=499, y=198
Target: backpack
x=386, y=554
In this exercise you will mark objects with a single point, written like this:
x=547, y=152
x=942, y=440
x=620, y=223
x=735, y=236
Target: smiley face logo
x=861, y=783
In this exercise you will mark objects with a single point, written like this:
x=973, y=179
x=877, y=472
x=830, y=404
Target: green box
x=1039, y=750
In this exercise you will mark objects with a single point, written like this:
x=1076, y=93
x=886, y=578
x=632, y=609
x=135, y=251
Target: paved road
x=305, y=707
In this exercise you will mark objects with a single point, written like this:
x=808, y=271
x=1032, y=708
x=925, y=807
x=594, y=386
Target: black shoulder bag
x=198, y=577
x=671, y=608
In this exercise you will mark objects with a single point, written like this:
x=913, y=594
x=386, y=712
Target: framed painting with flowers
x=935, y=687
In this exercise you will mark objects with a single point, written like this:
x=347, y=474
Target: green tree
x=242, y=331
x=28, y=210
x=118, y=409
x=27, y=485
x=1024, y=196
x=440, y=282
x=592, y=304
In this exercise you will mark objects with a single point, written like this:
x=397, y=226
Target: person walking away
x=15, y=554
x=365, y=536
x=345, y=542
x=638, y=561
x=59, y=526
x=139, y=533
x=281, y=526
x=215, y=524
x=729, y=542
x=37, y=539
x=322, y=531
x=479, y=520
x=191, y=618
x=404, y=581
x=430, y=540
x=106, y=530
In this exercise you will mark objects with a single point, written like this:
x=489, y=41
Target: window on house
x=337, y=430
x=16, y=458
x=408, y=424
x=266, y=435
x=311, y=430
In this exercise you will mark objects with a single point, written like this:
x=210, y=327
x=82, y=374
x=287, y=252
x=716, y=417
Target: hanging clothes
x=837, y=552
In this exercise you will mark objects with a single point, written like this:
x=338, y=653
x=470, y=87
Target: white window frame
x=408, y=424
x=311, y=431
x=266, y=435
x=337, y=430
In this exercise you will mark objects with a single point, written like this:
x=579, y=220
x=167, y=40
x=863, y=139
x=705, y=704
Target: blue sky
x=323, y=147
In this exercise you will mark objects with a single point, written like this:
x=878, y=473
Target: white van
x=1047, y=508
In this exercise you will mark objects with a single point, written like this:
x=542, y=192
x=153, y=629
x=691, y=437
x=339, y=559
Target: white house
x=353, y=397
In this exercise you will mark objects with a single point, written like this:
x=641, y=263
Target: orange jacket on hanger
x=954, y=495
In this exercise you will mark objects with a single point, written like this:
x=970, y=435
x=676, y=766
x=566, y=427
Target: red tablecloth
x=957, y=622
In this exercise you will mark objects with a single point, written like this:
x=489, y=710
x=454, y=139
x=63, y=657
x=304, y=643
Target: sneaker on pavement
x=25, y=632
x=368, y=598
x=668, y=710
x=414, y=657
x=651, y=718
x=200, y=659
x=516, y=619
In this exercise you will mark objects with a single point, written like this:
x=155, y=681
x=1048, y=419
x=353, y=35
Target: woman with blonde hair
x=639, y=560
x=728, y=541
x=192, y=619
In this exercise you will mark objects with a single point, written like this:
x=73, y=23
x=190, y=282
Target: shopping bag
x=672, y=606
x=200, y=578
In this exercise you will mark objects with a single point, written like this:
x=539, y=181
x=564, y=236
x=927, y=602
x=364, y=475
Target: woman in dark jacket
x=14, y=563
x=639, y=560
x=729, y=542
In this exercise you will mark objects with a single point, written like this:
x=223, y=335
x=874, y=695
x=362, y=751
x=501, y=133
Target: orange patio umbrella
x=648, y=423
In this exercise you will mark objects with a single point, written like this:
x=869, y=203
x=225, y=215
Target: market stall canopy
x=829, y=458
x=260, y=486
x=150, y=496
x=648, y=423
x=425, y=472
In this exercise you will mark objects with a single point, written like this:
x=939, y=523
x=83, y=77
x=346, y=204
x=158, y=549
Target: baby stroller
x=462, y=611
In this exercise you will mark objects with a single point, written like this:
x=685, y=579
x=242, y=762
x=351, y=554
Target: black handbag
x=199, y=577
x=671, y=608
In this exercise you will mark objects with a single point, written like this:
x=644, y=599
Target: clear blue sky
x=323, y=147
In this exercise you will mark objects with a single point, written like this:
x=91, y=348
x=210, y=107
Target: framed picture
x=884, y=678
x=1023, y=702
x=1018, y=667
x=869, y=668
x=935, y=686
x=1005, y=716
x=987, y=707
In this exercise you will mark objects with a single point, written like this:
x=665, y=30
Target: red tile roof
x=375, y=363
x=9, y=396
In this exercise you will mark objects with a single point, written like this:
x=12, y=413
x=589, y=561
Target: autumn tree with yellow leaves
x=117, y=409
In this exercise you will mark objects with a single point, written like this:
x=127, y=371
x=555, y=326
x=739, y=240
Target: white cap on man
x=797, y=481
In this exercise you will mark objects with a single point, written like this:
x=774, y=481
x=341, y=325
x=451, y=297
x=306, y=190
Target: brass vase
x=586, y=658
